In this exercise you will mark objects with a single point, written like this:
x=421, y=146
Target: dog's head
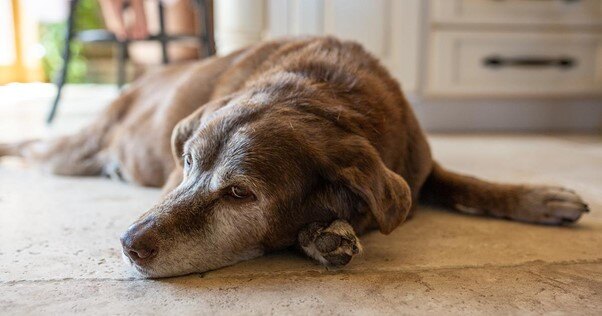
x=255, y=171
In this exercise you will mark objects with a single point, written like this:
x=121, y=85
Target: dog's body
x=300, y=141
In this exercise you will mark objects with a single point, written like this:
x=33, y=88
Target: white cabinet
x=464, y=64
x=514, y=48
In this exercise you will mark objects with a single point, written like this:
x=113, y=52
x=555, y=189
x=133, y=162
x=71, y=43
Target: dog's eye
x=187, y=160
x=240, y=192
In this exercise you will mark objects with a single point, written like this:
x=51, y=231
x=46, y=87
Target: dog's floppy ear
x=182, y=132
x=386, y=194
x=184, y=129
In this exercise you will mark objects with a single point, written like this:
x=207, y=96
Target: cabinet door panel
x=517, y=11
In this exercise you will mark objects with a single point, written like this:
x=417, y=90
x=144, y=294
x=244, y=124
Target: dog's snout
x=139, y=243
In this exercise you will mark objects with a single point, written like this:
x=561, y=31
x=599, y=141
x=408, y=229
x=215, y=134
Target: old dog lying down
x=306, y=142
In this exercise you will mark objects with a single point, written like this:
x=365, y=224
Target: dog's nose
x=139, y=244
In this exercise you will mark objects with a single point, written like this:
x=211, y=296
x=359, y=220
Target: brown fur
x=315, y=128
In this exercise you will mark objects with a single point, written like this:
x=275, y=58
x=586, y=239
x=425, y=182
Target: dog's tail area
x=465, y=193
x=14, y=149
x=75, y=155
x=5, y=150
x=536, y=204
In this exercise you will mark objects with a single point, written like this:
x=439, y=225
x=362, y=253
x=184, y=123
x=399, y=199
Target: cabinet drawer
x=517, y=11
x=486, y=63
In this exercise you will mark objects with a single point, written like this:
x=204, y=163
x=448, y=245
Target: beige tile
x=527, y=289
x=59, y=247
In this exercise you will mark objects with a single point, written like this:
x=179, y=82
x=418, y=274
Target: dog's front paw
x=331, y=244
x=550, y=205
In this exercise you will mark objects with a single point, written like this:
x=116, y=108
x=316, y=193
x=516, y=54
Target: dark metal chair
x=205, y=38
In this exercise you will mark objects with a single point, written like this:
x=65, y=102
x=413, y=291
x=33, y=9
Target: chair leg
x=122, y=56
x=206, y=39
x=163, y=35
x=62, y=75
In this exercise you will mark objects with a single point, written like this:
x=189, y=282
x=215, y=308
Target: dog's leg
x=534, y=204
x=331, y=244
x=80, y=154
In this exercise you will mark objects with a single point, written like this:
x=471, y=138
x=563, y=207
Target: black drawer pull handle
x=499, y=62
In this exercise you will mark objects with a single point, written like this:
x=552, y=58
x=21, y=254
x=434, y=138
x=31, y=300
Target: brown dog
x=306, y=141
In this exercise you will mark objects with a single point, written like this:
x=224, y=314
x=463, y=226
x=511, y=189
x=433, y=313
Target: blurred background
x=465, y=65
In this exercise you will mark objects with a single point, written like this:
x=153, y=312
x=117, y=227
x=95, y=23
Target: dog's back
x=338, y=79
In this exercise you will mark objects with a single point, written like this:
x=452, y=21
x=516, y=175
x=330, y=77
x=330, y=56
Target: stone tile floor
x=60, y=254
